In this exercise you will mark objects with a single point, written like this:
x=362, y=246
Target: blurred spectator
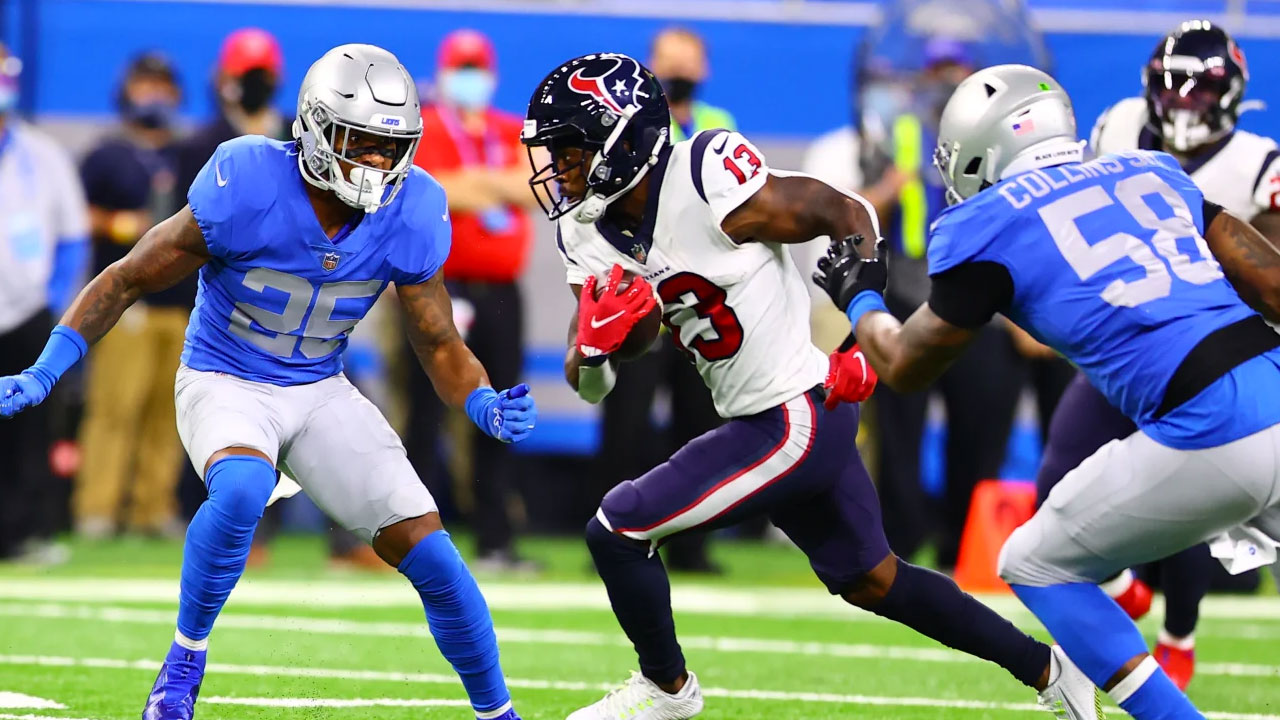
x=44, y=252
x=474, y=151
x=132, y=454
x=679, y=58
x=888, y=161
x=245, y=83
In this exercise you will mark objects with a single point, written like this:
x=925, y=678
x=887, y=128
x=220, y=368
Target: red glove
x=850, y=378
x=604, y=322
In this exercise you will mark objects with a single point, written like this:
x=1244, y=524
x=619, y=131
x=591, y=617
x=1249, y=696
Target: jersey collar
x=637, y=244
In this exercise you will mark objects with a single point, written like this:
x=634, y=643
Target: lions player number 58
x=1061, y=218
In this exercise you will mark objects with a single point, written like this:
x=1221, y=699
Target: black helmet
x=606, y=103
x=1194, y=82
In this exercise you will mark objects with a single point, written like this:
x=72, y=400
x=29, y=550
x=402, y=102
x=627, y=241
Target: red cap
x=249, y=49
x=466, y=47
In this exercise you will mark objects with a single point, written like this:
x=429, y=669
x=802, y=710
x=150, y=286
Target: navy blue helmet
x=611, y=107
x=1194, y=82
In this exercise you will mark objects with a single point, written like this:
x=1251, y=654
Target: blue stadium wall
x=781, y=79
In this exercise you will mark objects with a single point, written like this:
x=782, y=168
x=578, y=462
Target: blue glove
x=508, y=416
x=32, y=386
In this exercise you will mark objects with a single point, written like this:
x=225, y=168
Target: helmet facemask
x=1191, y=106
x=604, y=182
x=329, y=161
x=544, y=183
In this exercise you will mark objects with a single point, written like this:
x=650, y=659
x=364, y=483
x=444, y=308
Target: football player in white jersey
x=1193, y=86
x=705, y=221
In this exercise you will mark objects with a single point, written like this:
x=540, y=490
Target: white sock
x=1117, y=586
x=188, y=643
x=1055, y=666
x=490, y=714
x=1173, y=641
x=1134, y=680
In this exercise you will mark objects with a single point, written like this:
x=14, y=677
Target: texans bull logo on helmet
x=619, y=88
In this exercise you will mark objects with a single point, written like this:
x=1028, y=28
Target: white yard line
x=535, y=597
x=336, y=626
x=20, y=700
x=535, y=684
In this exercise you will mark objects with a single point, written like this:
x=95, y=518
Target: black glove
x=843, y=272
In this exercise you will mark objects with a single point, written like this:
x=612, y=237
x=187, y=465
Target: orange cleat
x=1135, y=600
x=1177, y=663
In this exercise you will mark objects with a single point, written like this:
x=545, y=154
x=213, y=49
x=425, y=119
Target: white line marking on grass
x=334, y=626
x=539, y=597
x=18, y=700
x=7, y=716
x=333, y=702
x=534, y=684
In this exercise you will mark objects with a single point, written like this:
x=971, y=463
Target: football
x=646, y=330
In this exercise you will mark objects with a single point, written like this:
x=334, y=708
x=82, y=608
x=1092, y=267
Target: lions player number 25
x=322, y=334
x=1087, y=259
x=709, y=306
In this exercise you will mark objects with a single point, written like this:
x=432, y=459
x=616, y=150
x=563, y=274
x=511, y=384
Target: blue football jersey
x=1110, y=268
x=278, y=297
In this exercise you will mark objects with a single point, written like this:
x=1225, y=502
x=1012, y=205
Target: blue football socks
x=218, y=540
x=459, y=620
x=1099, y=638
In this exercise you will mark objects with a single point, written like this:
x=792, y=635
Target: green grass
x=108, y=644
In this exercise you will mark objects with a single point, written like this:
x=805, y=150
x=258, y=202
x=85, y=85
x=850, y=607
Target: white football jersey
x=739, y=311
x=1242, y=173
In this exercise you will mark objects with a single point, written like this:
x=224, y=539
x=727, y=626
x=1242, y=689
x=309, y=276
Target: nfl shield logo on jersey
x=329, y=262
x=639, y=253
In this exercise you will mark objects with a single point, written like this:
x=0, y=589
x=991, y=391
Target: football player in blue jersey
x=294, y=242
x=1112, y=263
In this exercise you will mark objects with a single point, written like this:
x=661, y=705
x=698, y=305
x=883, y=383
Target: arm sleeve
x=970, y=294
x=1210, y=212
x=727, y=170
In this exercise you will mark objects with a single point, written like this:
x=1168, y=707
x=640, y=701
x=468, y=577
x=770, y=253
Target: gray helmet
x=1000, y=121
x=359, y=88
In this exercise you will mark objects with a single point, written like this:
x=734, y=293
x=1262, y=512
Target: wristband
x=863, y=303
x=482, y=408
x=64, y=350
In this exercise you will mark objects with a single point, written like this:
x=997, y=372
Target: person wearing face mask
x=132, y=457
x=678, y=57
x=245, y=82
x=474, y=151
x=44, y=251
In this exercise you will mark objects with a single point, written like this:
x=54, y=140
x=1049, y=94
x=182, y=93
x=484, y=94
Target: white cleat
x=639, y=699
x=1070, y=694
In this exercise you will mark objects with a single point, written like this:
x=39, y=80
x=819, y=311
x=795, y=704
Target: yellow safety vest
x=913, y=206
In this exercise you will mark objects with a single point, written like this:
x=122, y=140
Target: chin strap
x=593, y=205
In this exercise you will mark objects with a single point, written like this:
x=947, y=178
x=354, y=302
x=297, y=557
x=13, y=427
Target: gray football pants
x=1134, y=501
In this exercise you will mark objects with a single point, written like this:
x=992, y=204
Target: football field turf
x=300, y=641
